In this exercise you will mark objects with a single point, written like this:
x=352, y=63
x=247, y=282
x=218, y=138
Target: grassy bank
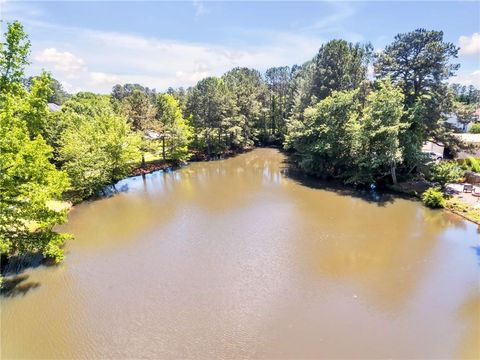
x=452, y=204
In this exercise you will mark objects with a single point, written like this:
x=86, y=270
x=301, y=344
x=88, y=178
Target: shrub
x=475, y=129
x=433, y=198
x=445, y=172
x=473, y=164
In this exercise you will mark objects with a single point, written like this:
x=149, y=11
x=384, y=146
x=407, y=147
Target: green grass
x=459, y=207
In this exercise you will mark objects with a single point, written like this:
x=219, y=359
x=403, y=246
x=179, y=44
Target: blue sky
x=93, y=45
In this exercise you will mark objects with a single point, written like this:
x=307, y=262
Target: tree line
x=336, y=119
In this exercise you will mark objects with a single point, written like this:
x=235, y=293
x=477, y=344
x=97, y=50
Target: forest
x=349, y=114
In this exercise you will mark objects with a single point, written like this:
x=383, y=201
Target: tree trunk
x=163, y=148
x=394, y=174
x=143, y=160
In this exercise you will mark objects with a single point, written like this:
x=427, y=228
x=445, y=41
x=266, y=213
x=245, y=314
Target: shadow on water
x=17, y=285
x=14, y=281
x=380, y=198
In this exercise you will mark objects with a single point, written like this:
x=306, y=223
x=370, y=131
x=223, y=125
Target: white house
x=452, y=119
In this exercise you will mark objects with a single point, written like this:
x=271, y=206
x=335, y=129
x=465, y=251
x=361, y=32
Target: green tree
x=58, y=94
x=419, y=62
x=174, y=130
x=139, y=109
x=278, y=80
x=249, y=91
x=36, y=112
x=97, y=146
x=14, y=51
x=29, y=182
x=465, y=114
x=212, y=107
x=339, y=65
x=381, y=126
x=328, y=138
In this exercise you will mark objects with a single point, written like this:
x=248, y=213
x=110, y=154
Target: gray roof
x=53, y=107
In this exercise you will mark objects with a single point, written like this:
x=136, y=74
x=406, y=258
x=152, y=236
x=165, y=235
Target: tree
x=119, y=92
x=339, y=65
x=138, y=108
x=249, y=91
x=278, y=82
x=97, y=146
x=212, y=107
x=465, y=114
x=381, y=126
x=174, y=130
x=419, y=63
x=36, y=112
x=14, y=51
x=327, y=140
x=58, y=94
x=29, y=182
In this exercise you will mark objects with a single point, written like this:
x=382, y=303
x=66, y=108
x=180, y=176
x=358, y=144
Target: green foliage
x=249, y=92
x=97, y=146
x=475, y=129
x=212, y=107
x=174, y=130
x=28, y=180
x=419, y=62
x=14, y=51
x=465, y=113
x=433, y=198
x=380, y=134
x=36, y=112
x=472, y=164
x=138, y=108
x=328, y=139
x=338, y=138
x=58, y=94
x=445, y=172
x=340, y=66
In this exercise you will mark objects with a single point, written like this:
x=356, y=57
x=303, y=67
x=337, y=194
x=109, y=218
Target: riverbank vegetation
x=335, y=118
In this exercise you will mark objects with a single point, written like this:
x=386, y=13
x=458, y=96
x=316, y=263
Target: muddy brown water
x=236, y=259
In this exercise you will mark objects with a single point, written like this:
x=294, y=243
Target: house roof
x=53, y=107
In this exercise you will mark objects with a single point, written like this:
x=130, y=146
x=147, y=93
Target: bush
x=475, y=129
x=433, y=198
x=473, y=164
x=445, y=172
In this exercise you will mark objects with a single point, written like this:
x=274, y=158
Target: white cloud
x=469, y=45
x=65, y=62
x=98, y=60
x=200, y=8
x=472, y=78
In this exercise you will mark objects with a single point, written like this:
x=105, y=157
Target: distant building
x=452, y=120
x=433, y=147
x=469, y=139
x=53, y=107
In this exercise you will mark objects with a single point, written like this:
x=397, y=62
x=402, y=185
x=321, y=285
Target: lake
x=239, y=258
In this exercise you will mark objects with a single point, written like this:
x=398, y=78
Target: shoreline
x=403, y=189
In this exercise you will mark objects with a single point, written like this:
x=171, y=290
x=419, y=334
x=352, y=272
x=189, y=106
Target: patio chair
x=467, y=188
